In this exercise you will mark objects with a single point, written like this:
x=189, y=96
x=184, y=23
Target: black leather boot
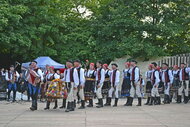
x=90, y=103
x=179, y=99
x=158, y=100
x=82, y=104
x=148, y=101
x=34, y=105
x=107, y=99
x=168, y=99
x=74, y=103
x=165, y=99
x=186, y=99
x=68, y=107
x=72, y=108
x=8, y=94
x=63, y=104
x=101, y=104
x=152, y=101
x=14, y=96
x=116, y=101
x=55, y=107
x=108, y=102
x=47, y=105
x=127, y=101
x=139, y=101
x=130, y=101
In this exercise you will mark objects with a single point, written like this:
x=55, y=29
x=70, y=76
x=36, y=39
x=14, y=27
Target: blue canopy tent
x=43, y=61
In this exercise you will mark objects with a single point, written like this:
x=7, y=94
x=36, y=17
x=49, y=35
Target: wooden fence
x=176, y=60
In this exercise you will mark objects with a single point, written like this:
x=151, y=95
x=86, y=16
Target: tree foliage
x=93, y=29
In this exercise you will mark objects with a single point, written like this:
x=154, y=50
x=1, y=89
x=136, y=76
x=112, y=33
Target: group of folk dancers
x=99, y=81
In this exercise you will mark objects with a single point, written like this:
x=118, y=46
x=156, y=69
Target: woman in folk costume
x=106, y=85
x=176, y=83
x=52, y=88
x=90, y=76
x=126, y=85
x=148, y=83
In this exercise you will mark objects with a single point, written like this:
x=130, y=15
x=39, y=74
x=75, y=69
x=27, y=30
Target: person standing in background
x=12, y=77
x=100, y=78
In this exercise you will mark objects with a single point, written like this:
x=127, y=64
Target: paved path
x=18, y=115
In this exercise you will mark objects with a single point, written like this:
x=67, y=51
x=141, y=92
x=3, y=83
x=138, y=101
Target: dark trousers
x=12, y=87
x=28, y=90
x=34, y=95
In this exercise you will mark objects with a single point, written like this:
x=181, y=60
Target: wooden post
x=173, y=61
x=170, y=61
x=178, y=61
x=188, y=59
x=158, y=63
x=185, y=59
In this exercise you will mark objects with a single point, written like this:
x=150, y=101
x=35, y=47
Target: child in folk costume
x=71, y=80
x=167, y=79
x=148, y=83
x=114, y=79
x=184, y=83
x=50, y=77
x=106, y=85
x=80, y=70
x=135, y=84
x=155, y=80
x=126, y=85
x=35, y=78
x=176, y=82
x=100, y=77
x=22, y=84
x=90, y=75
x=12, y=77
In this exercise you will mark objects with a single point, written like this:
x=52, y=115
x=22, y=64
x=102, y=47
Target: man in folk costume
x=100, y=77
x=184, y=83
x=148, y=83
x=106, y=85
x=35, y=78
x=90, y=75
x=114, y=79
x=126, y=85
x=176, y=82
x=50, y=77
x=11, y=77
x=2, y=72
x=167, y=79
x=80, y=71
x=155, y=80
x=72, y=81
x=135, y=84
